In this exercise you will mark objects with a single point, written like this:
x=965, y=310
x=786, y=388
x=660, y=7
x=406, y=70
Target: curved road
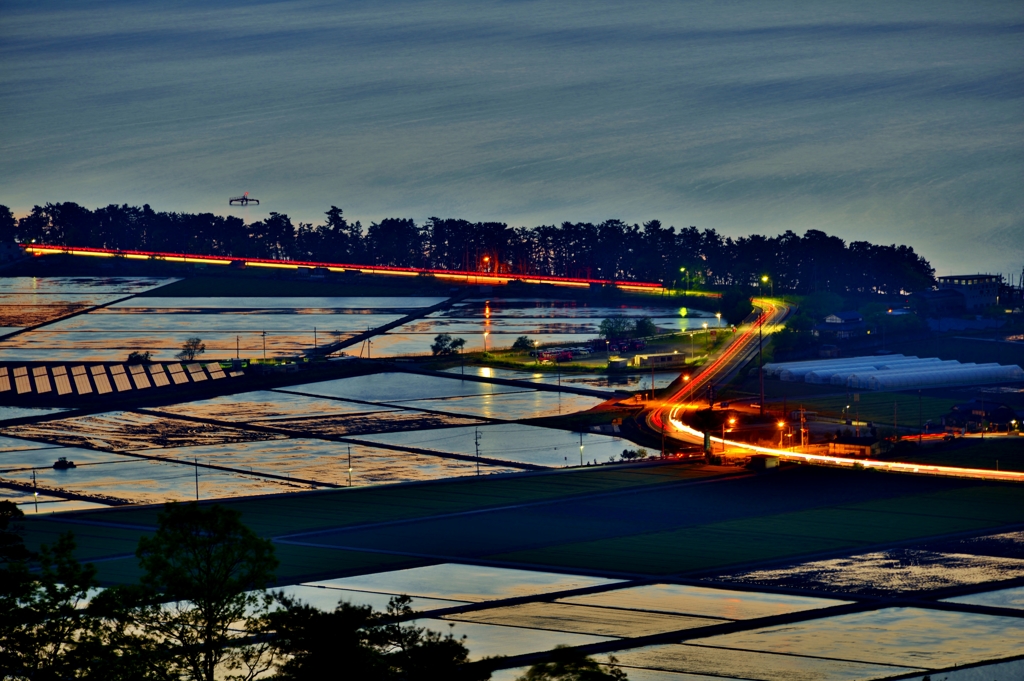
x=736, y=354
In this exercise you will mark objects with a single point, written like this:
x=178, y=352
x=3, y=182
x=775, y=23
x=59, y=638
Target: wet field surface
x=681, y=573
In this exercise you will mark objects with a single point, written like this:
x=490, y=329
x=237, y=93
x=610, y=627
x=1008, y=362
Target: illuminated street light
x=719, y=316
x=705, y=336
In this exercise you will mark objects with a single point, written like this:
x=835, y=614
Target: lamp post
x=686, y=286
x=487, y=260
x=485, y=341
x=705, y=336
x=719, y=316
x=760, y=343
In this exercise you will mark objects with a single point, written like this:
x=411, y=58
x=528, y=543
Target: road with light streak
x=737, y=353
x=226, y=260
x=664, y=417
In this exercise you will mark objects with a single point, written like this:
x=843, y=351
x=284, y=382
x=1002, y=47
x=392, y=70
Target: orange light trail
x=451, y=275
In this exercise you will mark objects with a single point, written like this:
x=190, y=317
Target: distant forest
x=609, y=250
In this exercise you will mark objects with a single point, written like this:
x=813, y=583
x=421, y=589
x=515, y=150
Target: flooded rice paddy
x=1001, y=598
x=29, y=301
x=471, y=583
x=512, y=442
x=908, y=637
x=902, y=570
x=545, y=321
x=701, y=601
x=628, y=382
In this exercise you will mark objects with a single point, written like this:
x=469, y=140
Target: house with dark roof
x=946, y=302
x=840, y=325
x=973, y=416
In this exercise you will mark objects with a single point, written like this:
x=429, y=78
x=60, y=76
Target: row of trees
x=612, y=249
x=201, y=612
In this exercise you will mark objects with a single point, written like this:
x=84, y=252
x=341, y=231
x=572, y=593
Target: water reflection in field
x=328, y=462
x=327, y=598
x=488, y=640
x=79, y=285
x=888, y=572
x=398, y=386
x=109, y=334
x=702, y=601
x=268, y=405
x=513, y=442
x=630, y=381
x=545, y=321
x=1002, y=598
x=151, y=482
x=465, y=582
x=902, y=636
x=11, y=444
x=522, y=405
x=744, y=664
x=9, y=413
x=124, y=431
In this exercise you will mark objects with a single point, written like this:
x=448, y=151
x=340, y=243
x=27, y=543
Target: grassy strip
x=779, y=536
x=1004, y=453
x=285, y=514
x=876, y=407
x=254, y=286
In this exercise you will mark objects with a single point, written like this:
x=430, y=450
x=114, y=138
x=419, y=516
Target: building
x=660, y=360
x=979, y=290
x=945, y=302
x=842, y=325
x=854, y=446
x=973, y=416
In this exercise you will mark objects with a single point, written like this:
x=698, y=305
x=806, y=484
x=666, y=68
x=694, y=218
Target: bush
x=522, y=344
x=191, y=348
x=444, y=345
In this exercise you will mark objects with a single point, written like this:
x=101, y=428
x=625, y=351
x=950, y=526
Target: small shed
x=854, y=446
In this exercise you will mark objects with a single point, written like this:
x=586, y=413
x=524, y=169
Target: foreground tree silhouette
x=191, y=348
x=444, y=345
x=569, y=665
x=199, y=602
x=44, y=631
x=354, y=642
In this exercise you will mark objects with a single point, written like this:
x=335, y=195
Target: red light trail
x=455, y=275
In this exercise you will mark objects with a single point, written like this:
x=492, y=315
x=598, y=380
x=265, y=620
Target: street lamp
x=719, y=316
x=705, y=336
x=487, y=259
x=686, y=286
x=485, y=340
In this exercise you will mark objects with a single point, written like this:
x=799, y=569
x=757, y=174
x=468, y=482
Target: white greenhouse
x=892, y=372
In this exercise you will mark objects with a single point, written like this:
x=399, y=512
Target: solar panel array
x=104, y=379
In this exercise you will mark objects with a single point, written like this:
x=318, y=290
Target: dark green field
x=1002, y=452
x=648, y=520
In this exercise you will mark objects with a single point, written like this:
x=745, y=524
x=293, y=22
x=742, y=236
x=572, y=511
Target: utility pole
x=264, y=346
x=476, y=440
x=895, y=423
x=921, y=425
x=196, y=462
x=350, y=465
x=237, y=340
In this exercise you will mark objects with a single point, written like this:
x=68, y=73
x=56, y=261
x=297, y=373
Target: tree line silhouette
x=683, y=258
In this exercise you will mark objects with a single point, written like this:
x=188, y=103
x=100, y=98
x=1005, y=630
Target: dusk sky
x=881, y=121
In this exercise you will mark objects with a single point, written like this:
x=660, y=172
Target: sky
x=891, y=122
